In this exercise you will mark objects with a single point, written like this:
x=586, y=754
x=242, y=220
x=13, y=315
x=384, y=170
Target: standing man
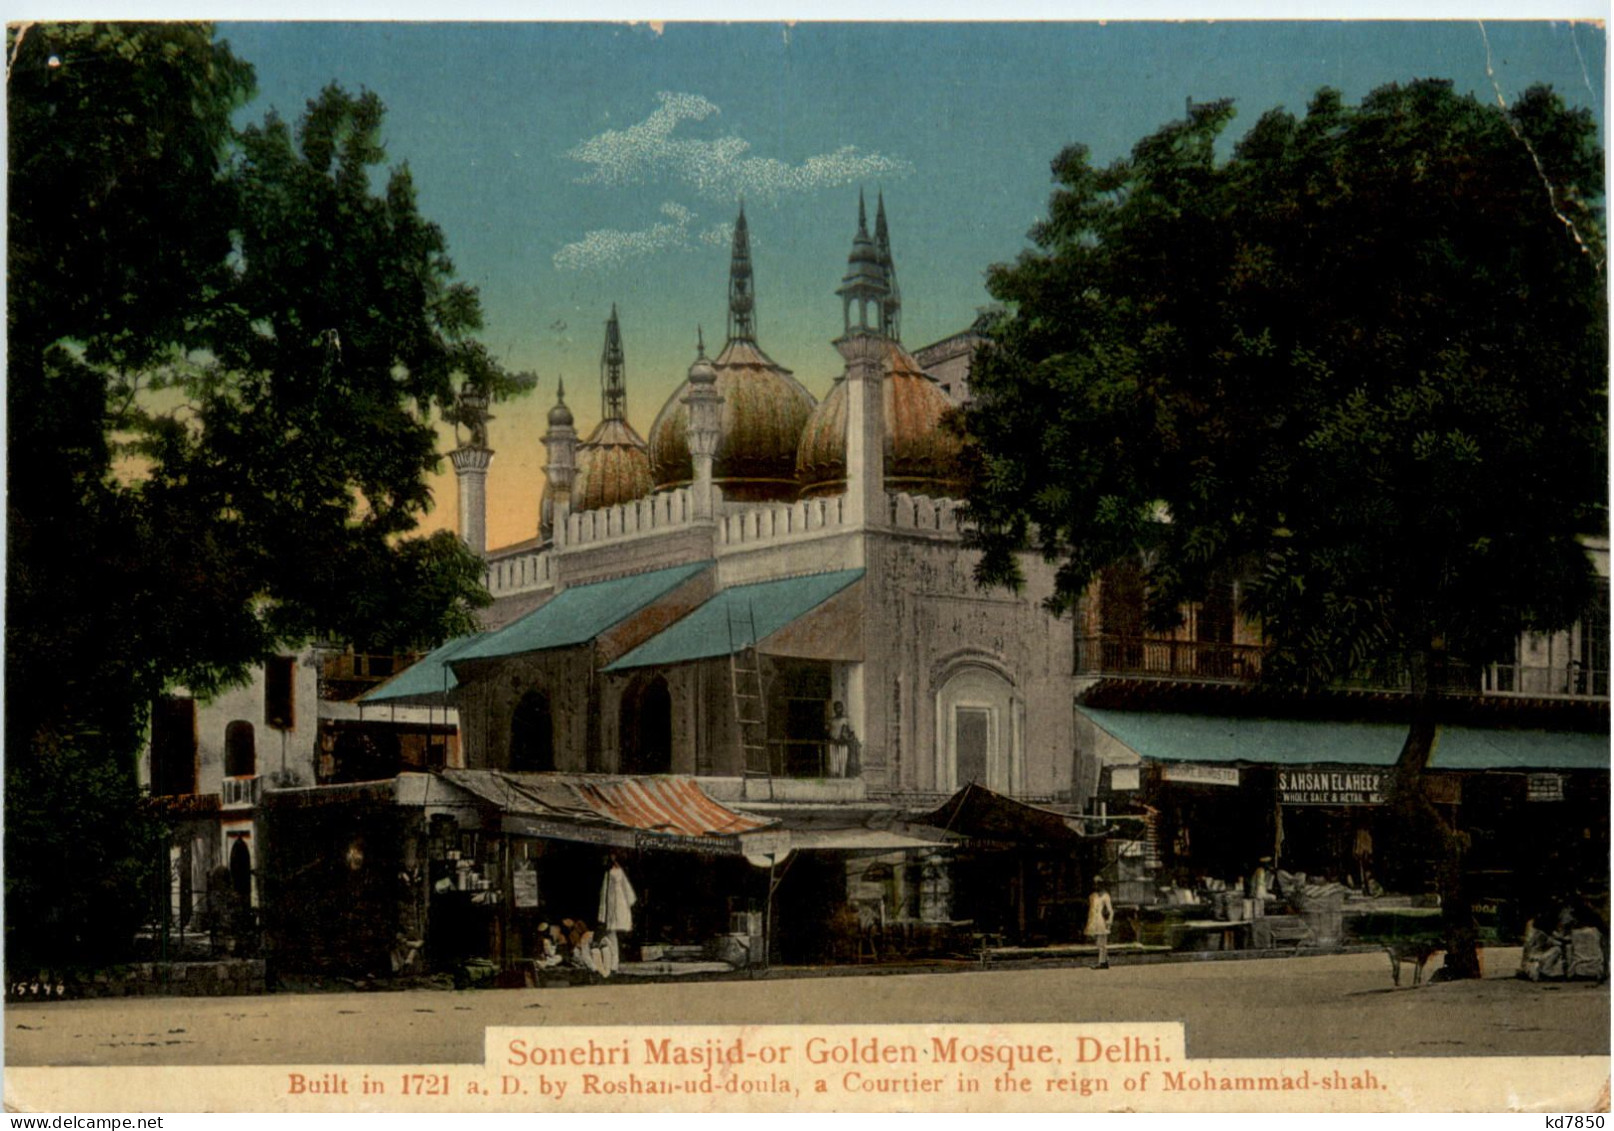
x=1100, y=914
x=842, y=740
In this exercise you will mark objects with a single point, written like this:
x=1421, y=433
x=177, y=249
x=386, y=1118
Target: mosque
x=744, y=654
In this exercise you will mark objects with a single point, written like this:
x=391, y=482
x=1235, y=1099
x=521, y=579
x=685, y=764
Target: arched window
x=646, y=728
x=978, y=730
x=240, y=750
x=532, y=734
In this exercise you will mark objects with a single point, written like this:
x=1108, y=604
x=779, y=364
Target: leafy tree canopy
x=1360, y=363
x=227, y=354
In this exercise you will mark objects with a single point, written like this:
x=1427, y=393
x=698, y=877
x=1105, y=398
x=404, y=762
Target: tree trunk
x=1426, y=834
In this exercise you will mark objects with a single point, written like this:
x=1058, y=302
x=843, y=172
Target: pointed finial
x=560, y=391
x=700, y=341
x=862, y=215
x=742, y=301
x=613, y=382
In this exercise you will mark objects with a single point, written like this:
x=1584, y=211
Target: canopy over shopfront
x=1164, y=737
x=838, y=829
x=579, y=613
x=980, y=814
x=746, y=615
x=664, y=812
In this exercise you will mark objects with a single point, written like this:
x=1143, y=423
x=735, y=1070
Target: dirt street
x=1325, y=1006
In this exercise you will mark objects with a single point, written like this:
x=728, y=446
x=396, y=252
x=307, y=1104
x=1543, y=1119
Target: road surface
x=1335, y=1005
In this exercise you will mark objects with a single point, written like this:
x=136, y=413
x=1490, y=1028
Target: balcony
x=1565, y=681
x=1141, y=657
x=1133, y=657
x=240, y=793
x=344, y=676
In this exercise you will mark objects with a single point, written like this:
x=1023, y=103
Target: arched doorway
x=532, y=734
x=646, y=728
x=978, y=730
x=241, y=871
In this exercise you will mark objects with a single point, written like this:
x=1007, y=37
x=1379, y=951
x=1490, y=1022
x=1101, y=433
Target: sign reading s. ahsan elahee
x=1331, y=787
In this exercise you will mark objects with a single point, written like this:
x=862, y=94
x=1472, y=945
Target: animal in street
x=1416, y=952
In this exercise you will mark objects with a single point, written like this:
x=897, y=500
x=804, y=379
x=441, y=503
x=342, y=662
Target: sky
x=576, y=165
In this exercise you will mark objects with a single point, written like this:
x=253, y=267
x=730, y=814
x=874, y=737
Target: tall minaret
x=864, y=346
x=613, y=385
x=891, y=309
x=560, y=445
x=742, y=299
x=705, y=403
x=471, y=460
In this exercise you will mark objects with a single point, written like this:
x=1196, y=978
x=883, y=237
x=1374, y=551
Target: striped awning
x=659, y=812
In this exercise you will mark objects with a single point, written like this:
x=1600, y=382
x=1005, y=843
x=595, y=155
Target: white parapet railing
x=519, y=573
x=779, y=522
x=921, y=512
x=631, y=519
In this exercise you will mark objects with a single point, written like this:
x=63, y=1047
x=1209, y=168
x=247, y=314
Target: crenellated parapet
x=521, y=572
x=637, y=517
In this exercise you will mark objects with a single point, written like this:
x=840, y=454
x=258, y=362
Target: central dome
x=921, y=457
x=760, y=424
x=764, y=408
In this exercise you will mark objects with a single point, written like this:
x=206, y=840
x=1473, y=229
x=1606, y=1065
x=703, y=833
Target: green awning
x=724, y=624
x=578, y=614
x=427, y=680
x=1167, y=737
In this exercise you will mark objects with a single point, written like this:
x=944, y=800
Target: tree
x=1359, y=363
x=226, y=356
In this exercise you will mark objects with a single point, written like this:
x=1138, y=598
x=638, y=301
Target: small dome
x=921, y=457
x=612, y=467
x=560, y=416
x=763, y=414
x=702, y=372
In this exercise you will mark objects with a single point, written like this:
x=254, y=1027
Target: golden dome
x=612, y=467
x=921, y=457
x=764, y=411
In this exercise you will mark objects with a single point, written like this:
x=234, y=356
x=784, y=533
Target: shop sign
x=1544, y=787
x=1331, y=787
x=524, y=883
x=1124, y=777
x=1201, y=775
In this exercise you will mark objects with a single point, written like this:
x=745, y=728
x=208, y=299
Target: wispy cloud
x=607, y=247
x=721, y=168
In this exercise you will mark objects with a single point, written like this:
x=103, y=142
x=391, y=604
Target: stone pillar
x=704, y=404
x=865, y=356
x=471, y=469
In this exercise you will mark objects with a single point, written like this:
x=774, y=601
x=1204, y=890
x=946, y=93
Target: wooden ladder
x=750, y=709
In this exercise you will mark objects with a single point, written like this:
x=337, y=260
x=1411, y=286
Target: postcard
x=807, y=567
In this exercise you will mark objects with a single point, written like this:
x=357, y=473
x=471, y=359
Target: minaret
x=471, y=460
x=705, y=403
x=891, y=309
x=613, y=387
x=864, y=347
x=560, y=446
x=742, y=299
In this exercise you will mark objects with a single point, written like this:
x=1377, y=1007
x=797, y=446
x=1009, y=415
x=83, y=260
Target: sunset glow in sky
x=573, y=166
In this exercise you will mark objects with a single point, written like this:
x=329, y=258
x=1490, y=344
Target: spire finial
x=560, y=391
x=742, y=302
x=891, y=305
x=862, y=215
x=613, y=383
x=700, y=341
